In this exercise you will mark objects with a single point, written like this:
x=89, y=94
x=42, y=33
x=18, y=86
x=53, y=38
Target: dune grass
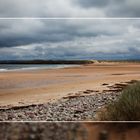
x=126, y=108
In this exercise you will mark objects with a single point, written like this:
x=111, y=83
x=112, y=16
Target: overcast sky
x=70, y=8
x=69, y=38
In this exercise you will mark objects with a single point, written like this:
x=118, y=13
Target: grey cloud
x=124, y=8
x=93, y=3
x=44, y=8
x=69, y=39
x=22, y=32
x=70, y=8
x=114, y=8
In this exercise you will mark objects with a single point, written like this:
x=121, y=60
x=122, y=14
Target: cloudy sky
x=69, y=38
x=69, y=8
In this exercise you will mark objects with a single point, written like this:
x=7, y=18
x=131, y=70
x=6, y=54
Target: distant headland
x=61, y=61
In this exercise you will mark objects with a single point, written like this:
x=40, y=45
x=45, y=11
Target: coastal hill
x=39, y=61
x=46, y=61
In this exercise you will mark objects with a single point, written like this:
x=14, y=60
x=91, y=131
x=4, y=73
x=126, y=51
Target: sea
x=24, y=67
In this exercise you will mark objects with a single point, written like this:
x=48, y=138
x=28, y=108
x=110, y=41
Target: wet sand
x=42, y=86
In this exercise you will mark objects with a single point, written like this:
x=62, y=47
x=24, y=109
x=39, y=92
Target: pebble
x=74, y=109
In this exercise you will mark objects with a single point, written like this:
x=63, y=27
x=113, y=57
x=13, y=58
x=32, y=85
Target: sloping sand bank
x=41, y=86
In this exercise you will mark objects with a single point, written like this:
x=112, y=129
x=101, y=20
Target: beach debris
x=118, y=74
x=112, y=90
x=72, y=96
x=104, y=84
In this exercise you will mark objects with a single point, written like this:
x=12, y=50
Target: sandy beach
x=18, y=88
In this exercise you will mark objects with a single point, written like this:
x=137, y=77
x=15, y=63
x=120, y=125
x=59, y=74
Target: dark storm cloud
x=22, y=32
x=69, y=39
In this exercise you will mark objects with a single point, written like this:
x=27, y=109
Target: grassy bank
x=126, y=108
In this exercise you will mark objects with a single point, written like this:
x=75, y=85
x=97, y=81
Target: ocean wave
x=18, y=69
x=3, y=70
x=36, y=68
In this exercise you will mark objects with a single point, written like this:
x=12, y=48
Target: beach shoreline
x=22, y=88
x=81, y=106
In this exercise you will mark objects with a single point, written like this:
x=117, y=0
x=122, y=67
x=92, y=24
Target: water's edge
x=21, y=67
